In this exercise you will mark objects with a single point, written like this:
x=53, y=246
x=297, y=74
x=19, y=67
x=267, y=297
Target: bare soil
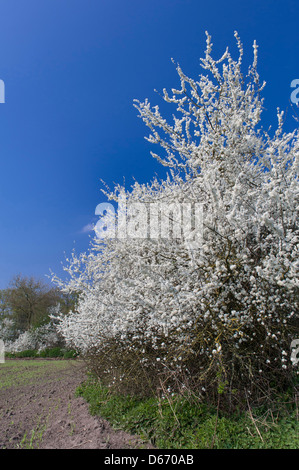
x=38, y=409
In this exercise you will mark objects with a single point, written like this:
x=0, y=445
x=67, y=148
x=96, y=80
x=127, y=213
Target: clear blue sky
x=72, y=69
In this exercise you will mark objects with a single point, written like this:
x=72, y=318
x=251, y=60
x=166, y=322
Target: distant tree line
x=28, y=301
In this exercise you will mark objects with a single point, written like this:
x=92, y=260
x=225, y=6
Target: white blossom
x=242, y=283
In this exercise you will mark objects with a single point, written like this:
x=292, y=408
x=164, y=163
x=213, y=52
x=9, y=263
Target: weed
x=178, y=422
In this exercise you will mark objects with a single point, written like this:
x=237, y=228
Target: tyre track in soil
x=38, y=409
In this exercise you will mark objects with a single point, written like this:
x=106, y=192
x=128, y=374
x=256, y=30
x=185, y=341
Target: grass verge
x=176, y=422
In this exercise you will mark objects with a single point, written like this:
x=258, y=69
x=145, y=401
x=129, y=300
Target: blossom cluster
x=40, y=338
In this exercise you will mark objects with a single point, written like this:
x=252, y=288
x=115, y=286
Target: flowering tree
x=219, y=300
x=38, y=338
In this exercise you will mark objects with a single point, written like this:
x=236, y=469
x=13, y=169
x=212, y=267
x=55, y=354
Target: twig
x=166, y=394
x=252, y=418
x=80, y=444
x=214, y=436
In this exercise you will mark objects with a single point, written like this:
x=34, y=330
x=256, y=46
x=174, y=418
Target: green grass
x=15, y=374
x=34, y=439
x=177, y=423
x=49, y=352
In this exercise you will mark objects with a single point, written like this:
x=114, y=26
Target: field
x=39, y=409
x=56, y=404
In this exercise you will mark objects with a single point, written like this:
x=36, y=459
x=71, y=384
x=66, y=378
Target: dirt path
x=38, y=409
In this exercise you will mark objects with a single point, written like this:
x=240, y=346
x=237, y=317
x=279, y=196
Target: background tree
x=4, y=303
x=29, y=301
